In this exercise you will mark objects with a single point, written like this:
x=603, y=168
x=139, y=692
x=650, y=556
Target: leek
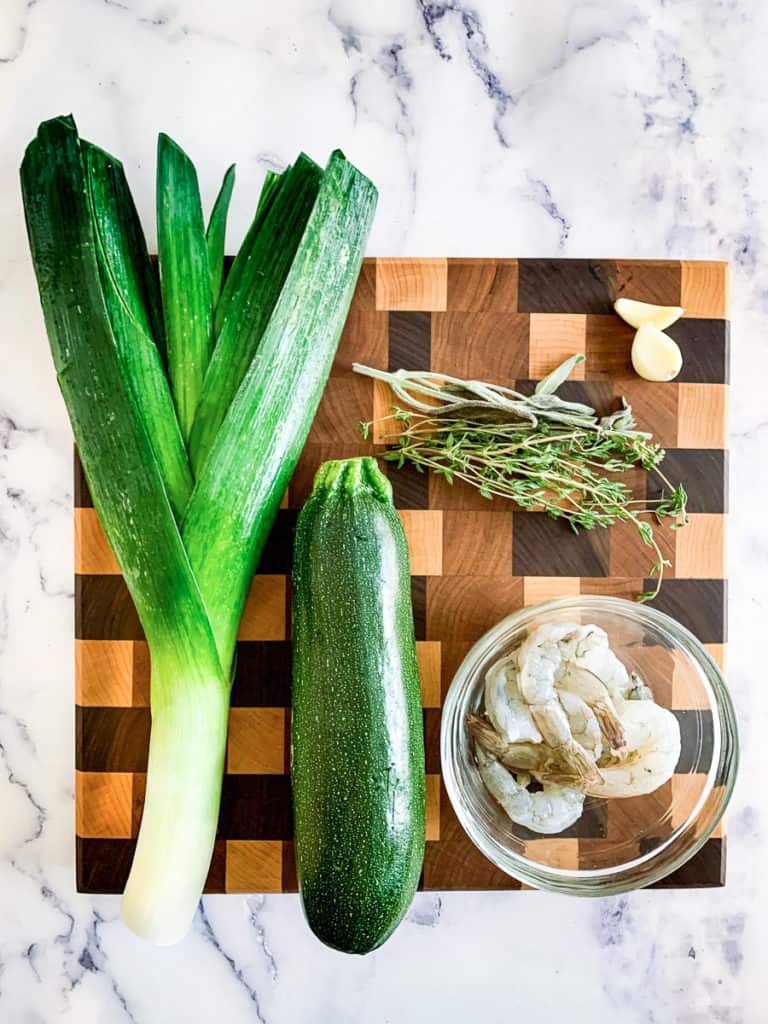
x=215, y=234
x=185, y=279
x=187, y=561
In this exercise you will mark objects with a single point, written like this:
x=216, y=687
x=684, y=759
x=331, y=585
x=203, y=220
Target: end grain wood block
x=704, y=290
x=555, y=853
x=458, y=495
x=700, y=547
x=631, y=556
x=687, y=791
x=424, y=533
x=482, y=285
x=254, y=865
x=412, y=284
x=142, y=673
x=104, y=804
x=702, y=416
x=608, y=347
x=429, y=657
x=256, y=741
x=464, y=607
x=717, y=653
x=104, y=673
x=365, y=339
x=432, y=808
x=92, y=551
x=656, y=281
x=537, y=589
x=657, y=409
x=485, y=346
x=477, y=543
x=553, y=338
x=264, y=617
x=364, y=298
x=346, y=402
x=687, y=694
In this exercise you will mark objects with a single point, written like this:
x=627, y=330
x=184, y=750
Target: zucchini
x=358, y=743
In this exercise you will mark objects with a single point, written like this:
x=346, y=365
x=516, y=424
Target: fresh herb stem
x=539, y=451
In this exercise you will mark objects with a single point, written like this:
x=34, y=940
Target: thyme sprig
x=544, y=453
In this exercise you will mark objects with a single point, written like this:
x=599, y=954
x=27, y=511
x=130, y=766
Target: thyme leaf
x=538, y=450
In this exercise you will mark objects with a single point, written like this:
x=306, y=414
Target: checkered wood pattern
x=472, y=561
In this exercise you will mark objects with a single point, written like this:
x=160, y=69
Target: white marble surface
x=579, y=127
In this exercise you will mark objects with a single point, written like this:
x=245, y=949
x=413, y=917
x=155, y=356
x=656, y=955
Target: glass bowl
x=617, y=844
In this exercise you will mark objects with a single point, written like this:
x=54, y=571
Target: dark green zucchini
x=358, y=743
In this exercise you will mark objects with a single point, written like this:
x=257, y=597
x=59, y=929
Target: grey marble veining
x=573, y=127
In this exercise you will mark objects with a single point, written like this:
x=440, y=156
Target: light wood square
x=704, y=290
x=546, y=588
x=687, y=790
x=702, y=416
x=412, y=284
x=555, y=337
x=256, y=741
x=428, y=654
x=104, y=673
x=700, y=547
x=254, y=865
x=718, y=654
x=103, y=804
x=478, y=543
x=424, y=532
x=688, y=694
x=555, y=853
x=93, y=555
x=630, y=556
x=432, y=808
x=265, y=610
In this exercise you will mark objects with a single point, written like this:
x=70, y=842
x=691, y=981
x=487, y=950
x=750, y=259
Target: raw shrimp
x=653, y=750
x=510, y=716
x=586, y=684
x=541, y=663
x=638, y=690
x=536, y=758
x=593, y=653
x=585, y=727
x=549, y=811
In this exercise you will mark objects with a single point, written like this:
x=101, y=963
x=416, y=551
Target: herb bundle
x=543, y=452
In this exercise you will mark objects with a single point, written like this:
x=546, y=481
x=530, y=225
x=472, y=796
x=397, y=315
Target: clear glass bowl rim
x=638, y=873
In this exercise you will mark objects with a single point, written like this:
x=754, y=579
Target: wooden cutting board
x=473, y=562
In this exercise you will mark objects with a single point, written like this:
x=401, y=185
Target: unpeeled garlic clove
x=636, y=314
x=655, y=356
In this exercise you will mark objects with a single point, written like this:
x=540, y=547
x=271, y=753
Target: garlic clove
x=638, y=313
x=655, y=356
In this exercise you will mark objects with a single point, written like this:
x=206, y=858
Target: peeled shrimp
x=653, y=750
x=508, y=713
x=549, y=811
x=585, y=727
x=541, y=663
x=535, y=758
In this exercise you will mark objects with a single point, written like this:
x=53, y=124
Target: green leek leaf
x=216, y=234
x=255, y=286
x=124, y=270
x=260, y=440
x=185, y=280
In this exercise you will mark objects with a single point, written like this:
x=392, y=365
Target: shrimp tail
x=484, y=733
x=611, y=728
x=580, y=762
